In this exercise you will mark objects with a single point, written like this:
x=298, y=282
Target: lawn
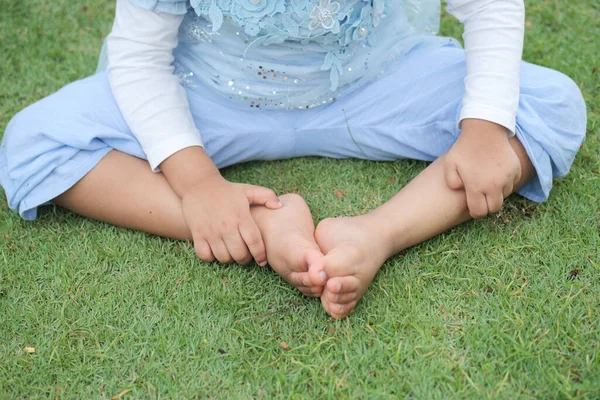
x=505, y=307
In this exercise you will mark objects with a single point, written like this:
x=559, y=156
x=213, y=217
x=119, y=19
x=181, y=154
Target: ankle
x=385, y=240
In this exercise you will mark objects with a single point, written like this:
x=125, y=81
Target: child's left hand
x=483, y=163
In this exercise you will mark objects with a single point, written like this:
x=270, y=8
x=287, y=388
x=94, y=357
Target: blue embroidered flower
x=323, y=15
x=357, y=27
x=248, y=13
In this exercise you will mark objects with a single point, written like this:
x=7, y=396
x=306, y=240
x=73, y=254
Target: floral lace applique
x=323, y=15
x=335, y=24
x=300, y=20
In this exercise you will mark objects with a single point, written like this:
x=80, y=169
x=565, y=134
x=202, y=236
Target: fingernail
x=339, y=286
x=262, y=264
x=280, y=203
x=323, y=276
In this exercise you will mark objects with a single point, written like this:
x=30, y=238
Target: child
x=193, y=86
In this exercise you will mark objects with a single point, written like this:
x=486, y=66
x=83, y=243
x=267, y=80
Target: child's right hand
x=218, y=215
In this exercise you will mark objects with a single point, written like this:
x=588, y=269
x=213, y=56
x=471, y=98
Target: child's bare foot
x=353, y=255
x=289, y=239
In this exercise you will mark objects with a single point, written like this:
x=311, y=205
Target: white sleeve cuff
x=169, y=146
x=492, y=114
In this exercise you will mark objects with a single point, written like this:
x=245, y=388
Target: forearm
x=188, y=168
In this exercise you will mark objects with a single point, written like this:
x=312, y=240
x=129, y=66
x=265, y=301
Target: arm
x=482, y=162
x=140, y=54
x=493, y=35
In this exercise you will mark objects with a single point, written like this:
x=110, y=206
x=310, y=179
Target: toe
x=315, y=264
x=341, y=298
x=335, y=310
x=341, y=261
x=340, y=311
x=344, y=284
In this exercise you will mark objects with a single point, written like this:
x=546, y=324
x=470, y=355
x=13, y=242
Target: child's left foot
x=353, y=255
x=288, y=234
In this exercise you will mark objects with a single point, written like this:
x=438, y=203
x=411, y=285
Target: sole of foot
x=353, y=255
x=288, y=234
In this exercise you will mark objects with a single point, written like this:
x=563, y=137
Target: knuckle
x=245, y=259
x=204, y=255
x=224, y=226
x=268, y=191
x=240, y=254
x=477, y=213
x=225, y=259
x=254, y=241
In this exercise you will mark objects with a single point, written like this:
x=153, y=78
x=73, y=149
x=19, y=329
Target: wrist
x=189, y=168
x=481, y=126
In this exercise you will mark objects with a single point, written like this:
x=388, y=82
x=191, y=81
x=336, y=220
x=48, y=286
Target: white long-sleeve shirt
x=140, y=53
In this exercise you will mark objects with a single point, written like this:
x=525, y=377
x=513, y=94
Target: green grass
x=504, y=307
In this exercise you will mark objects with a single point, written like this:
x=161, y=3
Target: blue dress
x=285, y=54
x=374, y=83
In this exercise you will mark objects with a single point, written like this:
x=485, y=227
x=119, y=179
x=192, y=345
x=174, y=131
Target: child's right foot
x=288, y=234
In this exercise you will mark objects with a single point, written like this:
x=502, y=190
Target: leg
x=289, y=236
x=422, y=209
x=75, y=149
x=121, y=190
x=413, y=113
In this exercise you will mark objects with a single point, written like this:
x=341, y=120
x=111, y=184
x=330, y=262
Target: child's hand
x=483, y=163
x=218, y=215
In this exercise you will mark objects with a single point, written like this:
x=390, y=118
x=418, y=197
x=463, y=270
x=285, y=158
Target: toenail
x=323, y=276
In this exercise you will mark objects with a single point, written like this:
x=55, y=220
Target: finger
x=237, y=248
x=494, y=202
x=453, y=179
x=317, y=291
x=220, y=251
x=306, y=291
x=299, y=279
x=315, y=264
x=518, y=174
x=203, y=250
x=253, y=239
x=310, y=291
x=477, y=204
x=317, y=274
x=507, y=190
x=263, y=196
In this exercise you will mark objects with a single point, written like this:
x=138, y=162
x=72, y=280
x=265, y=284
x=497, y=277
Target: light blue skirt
x=411, y=113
